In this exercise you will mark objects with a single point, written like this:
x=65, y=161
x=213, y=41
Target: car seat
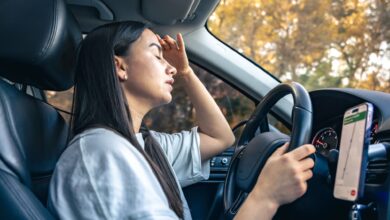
x=38, y=47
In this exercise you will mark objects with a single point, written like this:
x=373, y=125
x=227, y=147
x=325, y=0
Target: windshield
x=318, y=43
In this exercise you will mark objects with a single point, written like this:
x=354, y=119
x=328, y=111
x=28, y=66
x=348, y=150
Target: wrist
x=186, y=71
x=185, y=75
x=256, y=206
x=261, y=197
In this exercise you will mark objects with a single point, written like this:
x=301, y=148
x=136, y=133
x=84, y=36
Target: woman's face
x=149, y=75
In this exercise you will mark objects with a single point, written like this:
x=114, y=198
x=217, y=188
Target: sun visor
x=168, y=12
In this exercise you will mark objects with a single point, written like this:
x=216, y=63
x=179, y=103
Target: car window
x=320, y=44
x=61, y=100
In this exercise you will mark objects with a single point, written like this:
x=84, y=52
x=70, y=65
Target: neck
x=138, y=110
x=137, y=118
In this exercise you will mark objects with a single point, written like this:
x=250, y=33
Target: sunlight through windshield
x=319, y=43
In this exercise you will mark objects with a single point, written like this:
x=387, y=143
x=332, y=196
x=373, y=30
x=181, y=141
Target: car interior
x=39, y=42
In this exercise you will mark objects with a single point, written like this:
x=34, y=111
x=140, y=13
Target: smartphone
x=352, y=161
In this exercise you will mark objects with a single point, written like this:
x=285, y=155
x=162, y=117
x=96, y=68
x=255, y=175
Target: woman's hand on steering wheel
x=284, y=176
x=282, y=180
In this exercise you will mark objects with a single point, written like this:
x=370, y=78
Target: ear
x=120, y=67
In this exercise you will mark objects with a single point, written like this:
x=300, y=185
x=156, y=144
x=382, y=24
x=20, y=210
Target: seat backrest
x=38, y=41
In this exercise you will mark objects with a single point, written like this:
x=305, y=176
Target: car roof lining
x=157, y=13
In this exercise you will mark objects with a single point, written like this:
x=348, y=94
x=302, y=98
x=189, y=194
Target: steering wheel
x=253, y=151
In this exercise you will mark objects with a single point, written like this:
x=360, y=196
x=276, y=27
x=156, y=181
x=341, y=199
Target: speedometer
x=325, y=140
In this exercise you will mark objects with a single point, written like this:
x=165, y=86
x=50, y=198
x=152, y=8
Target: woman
x=112, y=171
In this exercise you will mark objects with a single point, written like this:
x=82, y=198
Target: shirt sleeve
x=114, y=181
x=183, y=153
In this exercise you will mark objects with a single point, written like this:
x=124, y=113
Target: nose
x=171, y=70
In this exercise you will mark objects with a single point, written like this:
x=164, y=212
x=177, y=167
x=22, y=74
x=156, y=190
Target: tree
x=295, y=40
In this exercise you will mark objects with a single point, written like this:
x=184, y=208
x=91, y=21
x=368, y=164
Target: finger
x=306, y=164
x=307, y=175
x=164, y=45
x=162, y=42
x=180, y=41
x=302, y=151
x=171, y=42
x=281, y=150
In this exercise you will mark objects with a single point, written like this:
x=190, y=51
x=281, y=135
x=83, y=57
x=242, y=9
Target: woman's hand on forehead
x=174, y=52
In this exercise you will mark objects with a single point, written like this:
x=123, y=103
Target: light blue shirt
x=102, y=176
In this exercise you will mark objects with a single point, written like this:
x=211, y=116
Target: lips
x=170, y=81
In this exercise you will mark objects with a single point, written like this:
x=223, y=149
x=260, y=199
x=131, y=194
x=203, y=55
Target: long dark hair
x=100, y=101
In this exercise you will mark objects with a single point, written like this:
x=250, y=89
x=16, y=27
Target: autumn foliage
x=320, y=43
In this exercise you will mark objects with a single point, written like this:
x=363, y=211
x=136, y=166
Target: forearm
x=215, y=132
x=256, y=208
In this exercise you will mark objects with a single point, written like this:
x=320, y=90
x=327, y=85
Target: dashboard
x=329, y=106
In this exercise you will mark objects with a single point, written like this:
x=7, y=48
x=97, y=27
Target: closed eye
x=154, y=45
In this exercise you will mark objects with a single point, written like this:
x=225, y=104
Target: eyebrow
x=158, y=46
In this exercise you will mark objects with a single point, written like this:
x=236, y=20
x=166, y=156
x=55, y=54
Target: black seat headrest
x=38, y=43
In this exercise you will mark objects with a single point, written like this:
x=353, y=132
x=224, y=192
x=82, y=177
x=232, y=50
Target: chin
x=163, y=101
x=168, y=100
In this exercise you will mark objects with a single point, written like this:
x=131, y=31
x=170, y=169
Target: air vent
x=377, y=171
